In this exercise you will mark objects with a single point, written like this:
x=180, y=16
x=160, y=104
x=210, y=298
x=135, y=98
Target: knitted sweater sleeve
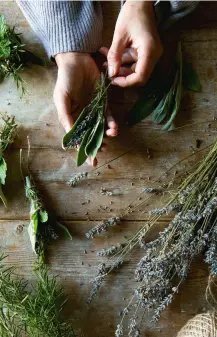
x=64, y=26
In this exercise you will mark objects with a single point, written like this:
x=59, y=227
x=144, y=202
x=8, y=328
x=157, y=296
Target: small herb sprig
x=87, y=133
x=7, y=133
x=43, y=224
x=162, y=101
x=32, y=310
x=168, y=258
x=13, y=55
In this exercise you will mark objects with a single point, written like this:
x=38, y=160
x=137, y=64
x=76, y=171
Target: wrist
x=63, y=59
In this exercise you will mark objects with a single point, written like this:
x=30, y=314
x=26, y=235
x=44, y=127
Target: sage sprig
x=7, y=133
x=87, y=133
x=13, y=55
x=163, y=100
x=33, y=310
x=43, y=224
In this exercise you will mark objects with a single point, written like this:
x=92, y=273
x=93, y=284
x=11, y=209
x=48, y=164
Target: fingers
x=63, y=105
x=115, y=53
x=129, y=55
x=112, y=130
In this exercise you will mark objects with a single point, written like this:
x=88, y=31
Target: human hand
x=136, y=42
x=76, y=80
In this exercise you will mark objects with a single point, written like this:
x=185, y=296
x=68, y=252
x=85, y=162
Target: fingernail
x=111, y=71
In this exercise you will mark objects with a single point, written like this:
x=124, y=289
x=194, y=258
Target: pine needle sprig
x=37, y=312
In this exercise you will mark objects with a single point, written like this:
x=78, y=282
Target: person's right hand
x=76, y=80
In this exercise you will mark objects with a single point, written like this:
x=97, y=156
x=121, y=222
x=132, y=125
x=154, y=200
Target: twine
x=203, y=325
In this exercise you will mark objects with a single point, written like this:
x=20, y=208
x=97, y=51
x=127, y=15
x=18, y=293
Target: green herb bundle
x=162, y=101
x=13, y=55
x=168, y=258
x=87, y=133
x=43, y=224
x=31, y=310
x=7, y=133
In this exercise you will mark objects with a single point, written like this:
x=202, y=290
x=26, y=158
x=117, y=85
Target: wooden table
x=81, y=207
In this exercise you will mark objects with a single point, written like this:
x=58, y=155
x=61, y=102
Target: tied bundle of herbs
x=87, y=133
x=167, y=259
x=32, y=310
x=13, y=55
x=162, y=99
x=7, y=133
x=43, y=224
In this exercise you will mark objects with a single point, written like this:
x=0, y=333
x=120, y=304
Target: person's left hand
x=135, y=42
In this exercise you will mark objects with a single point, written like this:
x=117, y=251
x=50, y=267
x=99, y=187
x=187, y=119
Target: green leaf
x=142, y=109
x=2, y=196
x=92, y=134
x=65, y=230
x=43, y=216
x=96, y=142
x=32, y=230
x=81, y=156
x=190, y=77
x=3, y=170
x=69, y=134
x=177, y=90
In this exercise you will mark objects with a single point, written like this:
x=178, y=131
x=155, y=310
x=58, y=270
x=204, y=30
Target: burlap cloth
x=203, y=325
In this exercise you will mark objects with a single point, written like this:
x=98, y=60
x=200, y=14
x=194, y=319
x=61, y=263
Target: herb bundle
x=87, y=133
x=7, y=133
x=167, y=259
x=43, y=224
x=163, y=100
x=13, y=55
x=33, y=313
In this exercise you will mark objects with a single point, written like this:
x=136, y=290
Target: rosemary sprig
x=168, y=258
x=13, y=55
x=31, y=310
x=7, y=133
x=87, y=133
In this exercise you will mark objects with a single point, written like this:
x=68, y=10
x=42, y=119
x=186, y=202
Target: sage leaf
x=2, y=196
x=142, y=109
x=43, y=216
x=69, y=134
x=82, y=156
x=3, y=170
x=92, y=134
x=190, y=77
x=96, y=142
x=65, y=230
x=177, y=90
x=32, y=230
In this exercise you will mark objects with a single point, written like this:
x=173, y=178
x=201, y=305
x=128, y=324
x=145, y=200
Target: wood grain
x=83, y=206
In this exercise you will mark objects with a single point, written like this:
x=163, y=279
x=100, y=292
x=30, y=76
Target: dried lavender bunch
x=103, y=226
x=168, y=258
x=87, y=133
x=7, y=133
x=43, y=224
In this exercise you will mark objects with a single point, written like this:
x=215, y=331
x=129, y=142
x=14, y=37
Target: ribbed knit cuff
x=65, y=26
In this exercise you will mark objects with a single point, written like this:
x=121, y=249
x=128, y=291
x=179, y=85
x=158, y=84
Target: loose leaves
x=163, y=104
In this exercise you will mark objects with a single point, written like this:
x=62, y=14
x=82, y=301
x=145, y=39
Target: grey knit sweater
x=64, y=26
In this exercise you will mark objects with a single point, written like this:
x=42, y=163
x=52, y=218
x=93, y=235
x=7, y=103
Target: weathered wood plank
x=75, y=262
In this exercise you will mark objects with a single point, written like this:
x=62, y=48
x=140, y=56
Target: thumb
x=115, y=54
x=64, y=109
